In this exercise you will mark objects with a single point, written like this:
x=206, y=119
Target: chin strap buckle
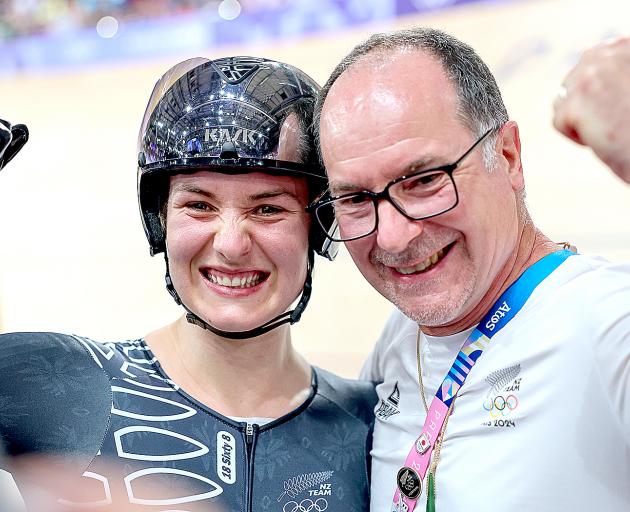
x=192, y=319
x=171, y=289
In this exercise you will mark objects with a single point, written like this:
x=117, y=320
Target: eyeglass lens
x=419, y=196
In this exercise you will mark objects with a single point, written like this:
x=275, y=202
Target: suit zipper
x=251, y=431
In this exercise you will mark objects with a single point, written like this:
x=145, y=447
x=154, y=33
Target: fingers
x=563, y=120
x=593, y=105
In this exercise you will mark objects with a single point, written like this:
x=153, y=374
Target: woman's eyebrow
x=268, y=194
x=187, y=187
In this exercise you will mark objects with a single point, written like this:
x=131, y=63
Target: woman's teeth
x=425, y=265
x=244, y=281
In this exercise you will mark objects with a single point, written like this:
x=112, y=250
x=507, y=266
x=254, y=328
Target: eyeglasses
x=417, y=196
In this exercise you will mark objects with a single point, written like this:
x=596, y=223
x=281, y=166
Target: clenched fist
x=593, y=108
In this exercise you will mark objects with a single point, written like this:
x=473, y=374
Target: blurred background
x=73, y=257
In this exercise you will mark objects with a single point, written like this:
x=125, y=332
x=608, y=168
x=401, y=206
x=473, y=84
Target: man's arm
x=593, y=108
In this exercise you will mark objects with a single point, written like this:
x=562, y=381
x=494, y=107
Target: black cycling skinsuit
x=98, y=402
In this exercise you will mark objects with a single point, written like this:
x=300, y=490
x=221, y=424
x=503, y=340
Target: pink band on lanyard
x=419, y=458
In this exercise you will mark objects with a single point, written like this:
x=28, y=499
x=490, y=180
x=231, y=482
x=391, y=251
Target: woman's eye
x=199, y=206
x=268, y=209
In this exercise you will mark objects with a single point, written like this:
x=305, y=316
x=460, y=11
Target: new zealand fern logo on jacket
x=502, y=399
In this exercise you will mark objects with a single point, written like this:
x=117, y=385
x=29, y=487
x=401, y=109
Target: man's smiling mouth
x=427, y=264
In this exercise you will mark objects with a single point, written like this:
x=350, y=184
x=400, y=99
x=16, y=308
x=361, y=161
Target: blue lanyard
x=504, y=309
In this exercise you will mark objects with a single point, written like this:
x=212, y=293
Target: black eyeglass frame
x=449, y=169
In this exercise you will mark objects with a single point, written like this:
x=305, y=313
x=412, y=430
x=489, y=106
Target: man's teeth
x=245, y=281
x=429, y=262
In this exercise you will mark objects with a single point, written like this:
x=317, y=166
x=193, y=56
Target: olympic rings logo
x=307, y=505
x=500, y=405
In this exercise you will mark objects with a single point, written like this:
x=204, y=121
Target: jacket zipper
x=251, y=431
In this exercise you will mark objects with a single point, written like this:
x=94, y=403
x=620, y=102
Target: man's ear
x=509, y=152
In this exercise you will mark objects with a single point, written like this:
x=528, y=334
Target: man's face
x=385, y=116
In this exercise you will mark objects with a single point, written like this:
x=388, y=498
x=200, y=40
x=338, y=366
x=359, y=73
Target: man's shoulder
x=595, y=277
x=398, y=328
x=355, y=397
x=394, y=337
x=587, y=292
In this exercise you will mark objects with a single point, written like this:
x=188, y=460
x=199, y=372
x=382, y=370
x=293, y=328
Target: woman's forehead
x=245, y=184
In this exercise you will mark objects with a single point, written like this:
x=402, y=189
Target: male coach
x=504, y=372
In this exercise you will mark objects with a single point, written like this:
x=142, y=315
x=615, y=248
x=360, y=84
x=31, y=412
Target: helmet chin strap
x=289, y=317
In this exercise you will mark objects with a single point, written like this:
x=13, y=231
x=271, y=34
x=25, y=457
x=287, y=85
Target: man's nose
x=395, y=231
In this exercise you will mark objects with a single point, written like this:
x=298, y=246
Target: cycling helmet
x=226, y=116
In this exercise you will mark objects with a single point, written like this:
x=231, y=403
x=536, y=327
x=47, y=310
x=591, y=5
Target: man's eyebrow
x=337, y=189
x=425, y=162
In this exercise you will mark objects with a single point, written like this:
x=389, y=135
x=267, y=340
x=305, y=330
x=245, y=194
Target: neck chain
x=438, y=443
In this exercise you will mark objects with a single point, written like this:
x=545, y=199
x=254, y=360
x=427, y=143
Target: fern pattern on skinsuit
x=297, y=484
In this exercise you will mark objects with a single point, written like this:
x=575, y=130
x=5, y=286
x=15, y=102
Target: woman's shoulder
x=73, y=353
x=60, y=353
x=54, y=396
x=44, y=349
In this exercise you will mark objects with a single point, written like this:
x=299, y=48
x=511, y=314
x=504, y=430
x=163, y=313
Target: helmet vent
x=236, y=69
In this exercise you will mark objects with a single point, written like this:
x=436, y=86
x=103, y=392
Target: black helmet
x=227, y=115
x=12, y=138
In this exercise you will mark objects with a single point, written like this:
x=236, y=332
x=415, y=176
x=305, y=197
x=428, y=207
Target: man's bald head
x=480, y=104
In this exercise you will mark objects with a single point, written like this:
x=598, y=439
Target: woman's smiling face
x=237, y=245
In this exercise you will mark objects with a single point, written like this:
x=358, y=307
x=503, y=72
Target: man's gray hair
x=480, y=104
